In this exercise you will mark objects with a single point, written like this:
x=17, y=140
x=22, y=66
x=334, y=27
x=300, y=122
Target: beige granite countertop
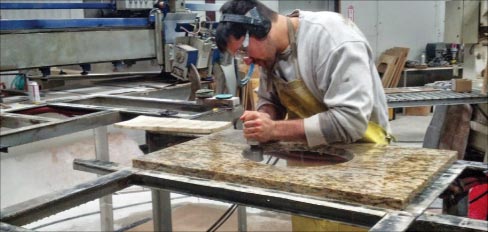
x=174, y=125
x=382, y=176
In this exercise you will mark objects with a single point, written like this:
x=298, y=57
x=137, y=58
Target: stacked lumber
x=390, y=65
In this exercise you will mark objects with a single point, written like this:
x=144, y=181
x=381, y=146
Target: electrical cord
x=217, y=224
x=18, y=82
x=247, y=78
x=223, y=218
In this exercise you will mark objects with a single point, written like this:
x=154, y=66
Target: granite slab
x=375, y=175
x=174, y=125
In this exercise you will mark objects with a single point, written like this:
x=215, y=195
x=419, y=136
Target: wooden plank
x=456, y=129
x=386, y=65
x=402, y=54
x=174, y=125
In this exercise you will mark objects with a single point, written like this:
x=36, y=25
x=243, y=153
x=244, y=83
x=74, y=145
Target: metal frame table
x=117, y=177
x=444, y=97
x=407, y=70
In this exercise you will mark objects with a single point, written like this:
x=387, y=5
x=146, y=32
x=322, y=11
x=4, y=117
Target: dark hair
x=241, y=7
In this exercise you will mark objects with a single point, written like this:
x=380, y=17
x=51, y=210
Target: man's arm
x=259, y=126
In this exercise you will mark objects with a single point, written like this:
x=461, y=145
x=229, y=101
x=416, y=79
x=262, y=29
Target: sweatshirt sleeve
x=345, y=78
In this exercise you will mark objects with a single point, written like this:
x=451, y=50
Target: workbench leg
x=161, y=202
x=241, y=218
x=101, y=151
x=404, y=78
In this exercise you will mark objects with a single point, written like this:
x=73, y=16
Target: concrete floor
x=34, y=169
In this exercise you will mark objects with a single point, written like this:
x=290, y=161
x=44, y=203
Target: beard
x=267, y=64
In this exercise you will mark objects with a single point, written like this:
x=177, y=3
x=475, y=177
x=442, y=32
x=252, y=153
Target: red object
x=478, y=202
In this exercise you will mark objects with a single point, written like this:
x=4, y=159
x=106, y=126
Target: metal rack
x=445, y=97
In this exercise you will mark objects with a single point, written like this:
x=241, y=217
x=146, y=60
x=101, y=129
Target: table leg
x=241, y=218
x=161, y=201
x=101, y=151
x=404, y=78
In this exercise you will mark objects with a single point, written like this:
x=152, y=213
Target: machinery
x=166, y=31
x=107, y=39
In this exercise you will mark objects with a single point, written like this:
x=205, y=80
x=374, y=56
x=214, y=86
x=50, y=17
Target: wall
x=389, y=24
x=287, y=6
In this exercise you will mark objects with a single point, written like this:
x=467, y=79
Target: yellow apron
x=300, y=103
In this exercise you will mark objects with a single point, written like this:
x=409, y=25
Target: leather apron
x=300, y=102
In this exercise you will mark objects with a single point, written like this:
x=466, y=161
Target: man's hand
x=258, y=126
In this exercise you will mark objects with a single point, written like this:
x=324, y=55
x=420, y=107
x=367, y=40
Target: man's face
x=258, y=51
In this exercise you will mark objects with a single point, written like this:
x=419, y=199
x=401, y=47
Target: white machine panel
x=135, y=4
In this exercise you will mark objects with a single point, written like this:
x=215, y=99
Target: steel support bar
x=94, y=76
x=96, y=166
x=48, y=130
x=241, y=218
x=13, y=121
x=394, y=221
x=473, y=165
x=11, y=228
x=30, y=24
x=49, y=204
x=102, y=153
x=158, y=37
x=448, y=223
x=54, y=6
x=161, y=203
x=145, y=106
x=262, y=198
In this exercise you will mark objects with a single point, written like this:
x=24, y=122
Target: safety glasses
x=241, y=53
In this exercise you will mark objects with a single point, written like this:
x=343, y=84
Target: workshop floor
x=132, y=206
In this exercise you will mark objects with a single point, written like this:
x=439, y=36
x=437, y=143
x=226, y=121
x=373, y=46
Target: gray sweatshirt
x=337, y=66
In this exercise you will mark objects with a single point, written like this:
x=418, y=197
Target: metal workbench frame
x=51, y=127
x=102, y=116
x=117, y=177
x=445, y=97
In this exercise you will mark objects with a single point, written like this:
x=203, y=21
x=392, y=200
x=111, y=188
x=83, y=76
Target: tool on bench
x=254, y=152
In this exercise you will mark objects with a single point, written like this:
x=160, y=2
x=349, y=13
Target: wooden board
x=174, y=125
x=387, y=65
x=395, y=59
x=402, y=54
x=382, y=176
x=418, y=110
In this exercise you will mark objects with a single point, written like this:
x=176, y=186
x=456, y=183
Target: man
x=318, y=72
x=316, y=66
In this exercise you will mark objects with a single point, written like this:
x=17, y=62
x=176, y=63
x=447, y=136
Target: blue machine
x=44, y=43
